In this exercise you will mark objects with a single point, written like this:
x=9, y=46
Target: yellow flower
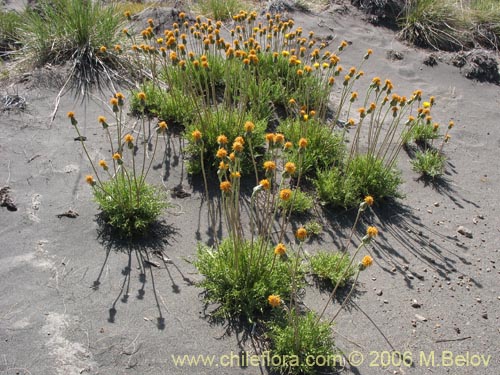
x=371, y=232
x=223, y=166
x=270, y=137
x=447, y=137
x=71, y=114
x=232, y=156
x=426, y=104
x=196, y=134
x=292, y=101
x=290, y=168
x=235, y=175
x=141, y=96
x=269, y=165
x=249, y=126
x=101, y=119
x=274, y=300
x=103, y=49
x=225, y=186
x=285, y=194
x=222, y=139
x=265, y=184
x=221, y=153
x=302, y=143
x=369, y=200
x=240, y=139
x=162, y=125
x=90, y=180
x=301, y=234
x=129, y=138
x=117, y=156
x=367, y=261
x=288, y=145
x=126, y=14
x=451, y=124
x=113, y=102
x=237, y=147
x=103, y=164
x=279, y=138
x=280, y=249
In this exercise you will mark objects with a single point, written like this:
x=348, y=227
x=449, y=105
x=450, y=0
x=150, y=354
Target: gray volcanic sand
x=76, y=302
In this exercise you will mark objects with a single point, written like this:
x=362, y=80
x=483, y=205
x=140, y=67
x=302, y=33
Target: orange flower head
x=249, y=126
x=371, y=232
x=129, y=138
x=269, y=165
x=285, y=194
x=225, y=186
x=237, y=146
x=369, y=200
x=280, y=249
x=90, y=180
x=265, y=184
x=367, y=261
x=290, y=168
x=103, y=164
x=301, y=234
x=117, y=156
x=196, y=134
x=274, y=300
x=302, y=143
x=222, y=139
x=221, y=153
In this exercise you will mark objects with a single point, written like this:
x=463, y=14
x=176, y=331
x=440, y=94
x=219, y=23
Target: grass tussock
x=82, y=33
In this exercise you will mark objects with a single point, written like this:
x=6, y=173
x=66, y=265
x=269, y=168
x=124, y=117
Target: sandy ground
x=75, y=302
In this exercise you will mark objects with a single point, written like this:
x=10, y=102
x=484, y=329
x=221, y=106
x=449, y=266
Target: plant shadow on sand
x=402, y=232
x=398, y=222
x=149, y=253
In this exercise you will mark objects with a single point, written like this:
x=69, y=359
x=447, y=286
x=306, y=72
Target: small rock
x=464, y=231
x=430, y=60
x=374, y=278
x=394, y=55
x=420, y=317
x=480, y=217
x=386, y=302
x=478, y=300
x=436, y=204
x=415, y=304
x=485, y=315
x=380, y=292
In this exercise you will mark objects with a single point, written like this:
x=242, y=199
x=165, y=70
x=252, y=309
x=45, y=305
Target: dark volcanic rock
x=481, y=65
x=382, y=12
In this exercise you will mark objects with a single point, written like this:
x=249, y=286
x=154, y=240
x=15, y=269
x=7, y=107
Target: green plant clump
x=220, y=9
x=300, y=203
x=332, y=267
x=9, y=23
x=238, y=283
x=75, y=31
x=429, y=163
x=434, y=24
x=303, y=344
x=128, y=207
x=364, y=175
x=325, y=148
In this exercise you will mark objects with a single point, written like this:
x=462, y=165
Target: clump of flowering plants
x=128, y=202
